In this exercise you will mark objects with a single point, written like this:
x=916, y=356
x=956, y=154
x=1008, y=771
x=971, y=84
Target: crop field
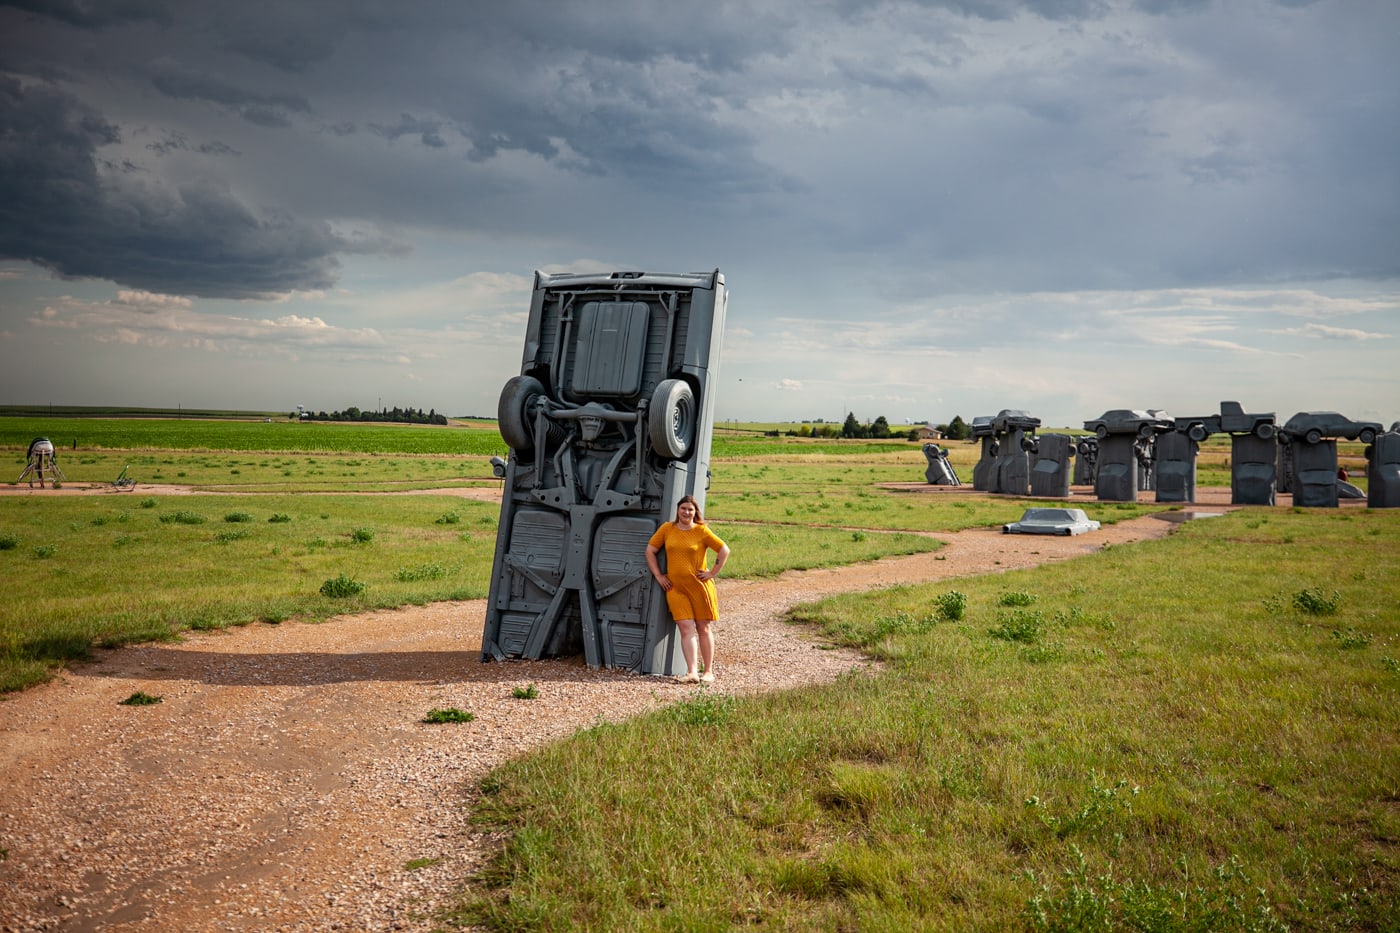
x=170, y=434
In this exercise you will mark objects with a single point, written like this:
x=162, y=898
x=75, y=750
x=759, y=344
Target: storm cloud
x=880, y=180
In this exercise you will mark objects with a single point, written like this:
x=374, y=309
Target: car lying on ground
x=1313, y=426
x=1045, y=521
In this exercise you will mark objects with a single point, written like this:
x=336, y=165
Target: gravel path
x=285, y=782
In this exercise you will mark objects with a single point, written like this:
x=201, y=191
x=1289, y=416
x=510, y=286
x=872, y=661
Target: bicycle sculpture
x=608, y=425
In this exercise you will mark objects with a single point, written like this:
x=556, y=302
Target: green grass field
x=74, y=435
x=1195, y=734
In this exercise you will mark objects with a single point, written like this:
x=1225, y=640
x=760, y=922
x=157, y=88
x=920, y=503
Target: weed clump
x=1317, y=603
x=1022, y=625
x=1228, y=901
x=1017, y=598
x=141, y=699
x=342, y=587
x=526, y=693
x=1351, y=638
x=238, y=517
x=447, y=715
x=952, y=606
x=706, y=709
x=182, y=517
x=421, y=572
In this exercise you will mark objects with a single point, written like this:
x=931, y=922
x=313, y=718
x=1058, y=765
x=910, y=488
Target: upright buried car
x=609, y=425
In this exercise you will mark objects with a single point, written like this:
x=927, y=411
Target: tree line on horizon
x=955, y=430
x=395, y=415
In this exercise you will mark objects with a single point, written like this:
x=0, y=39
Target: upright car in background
x=609, y=426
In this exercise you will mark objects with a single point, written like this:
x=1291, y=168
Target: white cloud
x=1327, y=332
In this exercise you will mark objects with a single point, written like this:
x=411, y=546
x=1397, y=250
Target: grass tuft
x=448, y=715
x=342, y=587
x=1314, y=601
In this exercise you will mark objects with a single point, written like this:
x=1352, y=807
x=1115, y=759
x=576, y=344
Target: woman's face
x=686, y=512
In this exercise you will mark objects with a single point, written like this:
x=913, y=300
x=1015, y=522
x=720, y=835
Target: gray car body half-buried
x=1051, y=522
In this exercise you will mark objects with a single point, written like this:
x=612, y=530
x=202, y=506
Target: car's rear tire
x=1367, y=436
x=1313, y=436
x=1264, y=430
x=671, y=419
x=1197, y=433
x=513, y=417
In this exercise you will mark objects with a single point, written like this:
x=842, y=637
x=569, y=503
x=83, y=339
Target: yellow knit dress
x=689, y=596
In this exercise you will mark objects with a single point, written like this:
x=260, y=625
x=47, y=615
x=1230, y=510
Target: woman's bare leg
x=689, y=642
x=705, y=640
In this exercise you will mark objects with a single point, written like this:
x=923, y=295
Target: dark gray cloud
x=980, y=144
x=96, y=14
x=429, y=132
x=260, y=108
x=58, y=211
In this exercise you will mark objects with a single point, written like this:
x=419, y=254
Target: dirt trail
x=285, y=781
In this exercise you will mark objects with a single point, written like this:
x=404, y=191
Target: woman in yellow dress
x=689, y=584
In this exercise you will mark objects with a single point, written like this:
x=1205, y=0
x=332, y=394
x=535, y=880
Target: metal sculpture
x=1050, y=470
x=1006, y=440
x=939, y=471
x=1120, y=459
x=609, y=425
x=1253, y=473
x=1383, y=470
x=1308, y=452
x=41, y=461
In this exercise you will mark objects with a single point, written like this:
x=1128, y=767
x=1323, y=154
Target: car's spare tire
x=671, y=419
x=513, y=415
